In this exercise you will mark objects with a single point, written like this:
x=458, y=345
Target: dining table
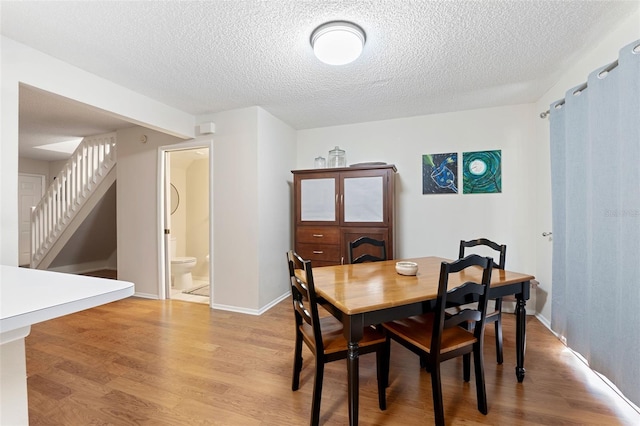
x=365, y=294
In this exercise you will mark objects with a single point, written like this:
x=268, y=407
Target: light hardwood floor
x=150, y=362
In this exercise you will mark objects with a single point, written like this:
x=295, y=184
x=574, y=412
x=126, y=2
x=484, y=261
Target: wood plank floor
x=150, y=362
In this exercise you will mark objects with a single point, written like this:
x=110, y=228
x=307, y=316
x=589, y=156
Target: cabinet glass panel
x=363, y=199
x=317, y=199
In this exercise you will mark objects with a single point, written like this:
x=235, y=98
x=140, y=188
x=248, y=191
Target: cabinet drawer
x=318, y=235
x=319, y=252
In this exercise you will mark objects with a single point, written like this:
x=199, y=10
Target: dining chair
x=437, y=338
x=324, y=336
x=494, y=316
x=376, y=250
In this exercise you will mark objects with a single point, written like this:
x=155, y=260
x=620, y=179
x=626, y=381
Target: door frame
x=164, y=283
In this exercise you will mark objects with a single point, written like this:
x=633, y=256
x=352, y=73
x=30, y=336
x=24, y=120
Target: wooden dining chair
x=437, y=338
x=495, y=315
x=324, y=336
x=375, y=250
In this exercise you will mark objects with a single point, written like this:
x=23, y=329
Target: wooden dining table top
x=364, y=287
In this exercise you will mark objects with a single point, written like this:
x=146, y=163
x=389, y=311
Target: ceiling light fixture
x=337, y=42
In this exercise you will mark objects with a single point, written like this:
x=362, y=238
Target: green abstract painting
x=482, y=172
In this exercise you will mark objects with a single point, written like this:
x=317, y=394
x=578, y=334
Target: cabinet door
x=316, y=199
x=364, y=198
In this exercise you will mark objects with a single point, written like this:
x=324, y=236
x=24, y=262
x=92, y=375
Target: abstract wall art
x=482, y=172
x=440, y=173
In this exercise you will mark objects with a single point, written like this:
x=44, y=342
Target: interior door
x=30, y=191
x=167, y=225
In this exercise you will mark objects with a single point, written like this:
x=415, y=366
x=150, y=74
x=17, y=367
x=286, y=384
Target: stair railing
x=88, y=165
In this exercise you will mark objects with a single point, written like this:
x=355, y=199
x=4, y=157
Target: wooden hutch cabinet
x=338, y=205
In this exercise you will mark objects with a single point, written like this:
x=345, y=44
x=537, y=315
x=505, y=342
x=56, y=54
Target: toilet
x=181, y=268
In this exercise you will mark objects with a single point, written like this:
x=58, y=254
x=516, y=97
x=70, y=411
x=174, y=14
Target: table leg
x=353, y=372
x=14, y=406
x=521, y=336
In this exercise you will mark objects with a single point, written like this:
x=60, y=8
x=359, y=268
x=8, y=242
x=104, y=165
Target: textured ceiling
x=420, y=57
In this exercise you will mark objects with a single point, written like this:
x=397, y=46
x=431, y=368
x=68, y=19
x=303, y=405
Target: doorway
x=186, y=209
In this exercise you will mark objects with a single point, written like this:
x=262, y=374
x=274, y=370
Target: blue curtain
x=595, y=176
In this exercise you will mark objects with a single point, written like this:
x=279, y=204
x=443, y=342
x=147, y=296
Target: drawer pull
x=318, y=252
x=318, y=235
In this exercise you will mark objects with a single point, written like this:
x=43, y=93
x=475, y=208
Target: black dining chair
x=495, y=315
x=437, y=337
x=371, y=250
x=324, y=336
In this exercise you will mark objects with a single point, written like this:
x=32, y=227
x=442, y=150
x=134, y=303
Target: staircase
x=85, y=178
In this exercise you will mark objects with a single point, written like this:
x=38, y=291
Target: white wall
x=601, y=54
x=253, y=154
x=37, y=167
x=22, y=64
x=276, y=159
x=235, y=218
x=137, y=208
x=434, y=224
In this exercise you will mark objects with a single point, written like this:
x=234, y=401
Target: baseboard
x=545, y=322
x=257, y=312
x=274, y=302
x=146, y=295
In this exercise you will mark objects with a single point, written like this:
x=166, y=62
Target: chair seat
x=417, y=330
x=333, y=336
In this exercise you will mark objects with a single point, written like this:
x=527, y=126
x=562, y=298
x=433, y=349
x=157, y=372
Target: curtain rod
x=602, y=74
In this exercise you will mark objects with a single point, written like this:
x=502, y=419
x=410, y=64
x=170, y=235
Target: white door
x=30, y=191
x=167, y=224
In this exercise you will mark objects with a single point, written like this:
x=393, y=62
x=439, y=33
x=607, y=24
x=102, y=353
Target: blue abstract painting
x=482, y=172
x=440, y=173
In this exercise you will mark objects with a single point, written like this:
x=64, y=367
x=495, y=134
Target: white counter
x=30, y=296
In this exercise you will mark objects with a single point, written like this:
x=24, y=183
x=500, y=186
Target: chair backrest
x=303, y=292
x=463, y=294
x=500, y=248
x=379, y=246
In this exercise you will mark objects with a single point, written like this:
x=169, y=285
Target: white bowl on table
x=406, y=268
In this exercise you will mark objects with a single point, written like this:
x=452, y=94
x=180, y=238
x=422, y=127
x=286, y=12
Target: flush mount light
x=338, y=42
